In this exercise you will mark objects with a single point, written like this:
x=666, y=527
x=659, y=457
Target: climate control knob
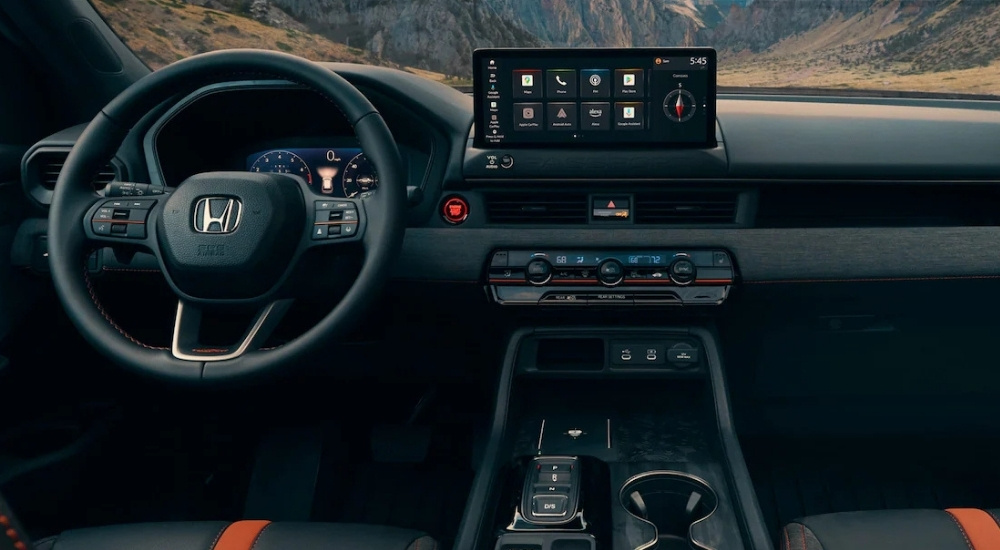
x=538, y=271
x=682, y=271
x=610, y=272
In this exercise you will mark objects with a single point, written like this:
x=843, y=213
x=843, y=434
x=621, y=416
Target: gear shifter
x=551, y=494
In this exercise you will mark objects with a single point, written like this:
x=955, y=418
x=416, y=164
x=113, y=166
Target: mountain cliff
x=903, y=44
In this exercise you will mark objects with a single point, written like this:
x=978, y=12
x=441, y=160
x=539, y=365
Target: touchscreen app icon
x=628, y=79
x=560, y=81
x=528, y=113
x=628, y=112
x=596, y=112
x=595, y=80
x=527, y=80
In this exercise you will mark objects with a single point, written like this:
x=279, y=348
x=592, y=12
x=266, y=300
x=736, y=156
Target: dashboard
x=792, y=188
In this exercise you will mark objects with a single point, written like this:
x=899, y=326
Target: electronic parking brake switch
x=551, y=490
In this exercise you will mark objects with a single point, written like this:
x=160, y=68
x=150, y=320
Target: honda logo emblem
x=217, y=215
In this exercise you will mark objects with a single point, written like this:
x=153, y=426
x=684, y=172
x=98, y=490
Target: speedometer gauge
x=282, y=162
x=359, y=177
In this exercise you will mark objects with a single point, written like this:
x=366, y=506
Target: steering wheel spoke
x=186, y=344
x=122, y=221
x=335, y=221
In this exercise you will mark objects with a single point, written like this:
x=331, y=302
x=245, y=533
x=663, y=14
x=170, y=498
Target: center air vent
x=684, y=208
x=41, y=171
x=537, y=208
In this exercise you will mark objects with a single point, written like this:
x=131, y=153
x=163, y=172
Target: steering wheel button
x=119, y=229
x=136, y=231
x=324, y=205
x=333, y=230
x=350, y=215
x=348, y=228
x=101, y=228
x=104, y=214
x=319, y=232
x=144, y=204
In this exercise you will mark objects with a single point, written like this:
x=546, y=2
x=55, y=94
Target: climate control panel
x=610, y=277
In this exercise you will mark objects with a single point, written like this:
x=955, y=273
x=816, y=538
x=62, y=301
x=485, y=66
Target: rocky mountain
x=930, y=35
x=818, y=43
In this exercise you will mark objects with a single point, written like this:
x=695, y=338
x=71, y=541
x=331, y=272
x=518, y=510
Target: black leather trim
x=339, y=536
x=195, y=535
x=276, y=536
x=423, y=543
x=876, y=530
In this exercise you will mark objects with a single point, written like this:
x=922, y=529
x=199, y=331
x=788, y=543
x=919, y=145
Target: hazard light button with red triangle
x=612, y=208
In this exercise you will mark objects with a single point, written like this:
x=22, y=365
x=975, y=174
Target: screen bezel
x=478, y=98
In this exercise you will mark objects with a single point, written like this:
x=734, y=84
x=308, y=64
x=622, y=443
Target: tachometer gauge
x=359, y=177
x=282, y=162
x=680, y=105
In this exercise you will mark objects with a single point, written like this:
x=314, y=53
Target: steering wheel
x=223, y=239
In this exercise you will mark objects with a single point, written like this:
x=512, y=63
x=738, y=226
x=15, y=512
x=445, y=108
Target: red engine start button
x=455, y=210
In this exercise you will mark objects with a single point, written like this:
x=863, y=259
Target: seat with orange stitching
x=241, y=535
x=952, y=529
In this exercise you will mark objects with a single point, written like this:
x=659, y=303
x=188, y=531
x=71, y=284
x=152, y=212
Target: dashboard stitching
x=107, y=317
x=128, y=270
x=876, y=279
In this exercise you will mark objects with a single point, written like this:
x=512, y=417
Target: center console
x=612, y=438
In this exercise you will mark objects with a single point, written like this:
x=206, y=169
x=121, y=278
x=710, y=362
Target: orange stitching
x=219, y=536
x=962, y=529
x=107, y=317
x=12, y=534
x=788, y=543
x=803, y=529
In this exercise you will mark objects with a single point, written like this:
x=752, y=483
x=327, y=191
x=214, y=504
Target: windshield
x=938, y=46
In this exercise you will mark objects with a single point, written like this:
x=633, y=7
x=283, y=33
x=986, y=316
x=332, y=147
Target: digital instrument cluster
x=336, y=172
x=557, y=97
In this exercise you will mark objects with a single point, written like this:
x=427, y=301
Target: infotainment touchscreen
x=662, y=97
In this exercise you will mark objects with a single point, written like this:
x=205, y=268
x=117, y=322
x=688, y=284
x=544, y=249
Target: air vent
x=681, y=208
x=536, y=208
x=52, y=164
x=41, y=171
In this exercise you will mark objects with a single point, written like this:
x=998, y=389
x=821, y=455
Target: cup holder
x=672, y=502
